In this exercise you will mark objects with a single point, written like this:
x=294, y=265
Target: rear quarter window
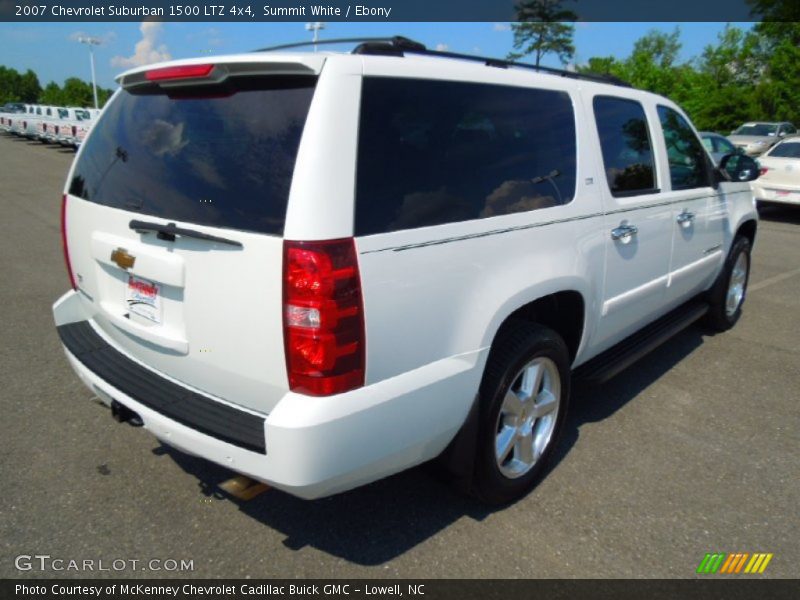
x=223, y=158
x=434, y=152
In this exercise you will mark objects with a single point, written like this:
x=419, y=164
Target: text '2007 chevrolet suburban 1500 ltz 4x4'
x=319, y=269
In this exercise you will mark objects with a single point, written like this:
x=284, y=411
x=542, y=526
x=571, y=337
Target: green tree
x=653, y=63
x=52, y=94
x=722, y=92
x=10, y=84
x=29, y=88
x=777, y=89
x=78, y=92
x=543, y=29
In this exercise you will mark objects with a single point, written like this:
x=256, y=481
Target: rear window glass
x=433, y=152
x=786, y=150
x=204, y=156
x=757, y=129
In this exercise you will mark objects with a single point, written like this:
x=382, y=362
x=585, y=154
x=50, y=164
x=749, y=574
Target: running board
x=616, y=359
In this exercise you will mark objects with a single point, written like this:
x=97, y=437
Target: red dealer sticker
x=144, y=299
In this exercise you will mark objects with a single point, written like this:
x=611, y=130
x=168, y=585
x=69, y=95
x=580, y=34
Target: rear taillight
x=323, y=317
x=763, y=171
x=182, y=72
x=64, y=241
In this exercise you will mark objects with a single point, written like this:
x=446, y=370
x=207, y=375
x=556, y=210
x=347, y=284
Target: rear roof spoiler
x=224, y=67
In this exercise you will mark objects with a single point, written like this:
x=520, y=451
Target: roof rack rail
x=327, y=42
x=399, y=46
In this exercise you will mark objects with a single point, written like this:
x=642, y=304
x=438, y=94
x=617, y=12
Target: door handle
x=624, y=233
x=685, y=219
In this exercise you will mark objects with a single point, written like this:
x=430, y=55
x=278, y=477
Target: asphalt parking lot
x=695, y=449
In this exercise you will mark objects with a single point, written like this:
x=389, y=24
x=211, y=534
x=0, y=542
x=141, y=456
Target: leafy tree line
x=25, y=87
x=744, y=76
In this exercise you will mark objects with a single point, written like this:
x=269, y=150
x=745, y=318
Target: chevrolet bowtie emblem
x=122, y=258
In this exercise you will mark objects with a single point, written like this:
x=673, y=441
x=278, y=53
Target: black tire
x=719, y=317
x=521, y=344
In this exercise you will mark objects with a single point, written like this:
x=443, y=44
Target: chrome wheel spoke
x=512, y=404
x=523, y=450
x=504, y=443
x=545, y=404
x=532, y=380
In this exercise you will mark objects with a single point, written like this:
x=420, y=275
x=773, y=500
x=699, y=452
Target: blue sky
x=51, y=51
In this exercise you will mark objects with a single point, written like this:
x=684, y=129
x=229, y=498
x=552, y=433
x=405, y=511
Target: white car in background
x=20, y=121
x=59, y=124
x=67, y=130
x=80, y=129
x=780, y=174
x=36, y=123
x=8, y=113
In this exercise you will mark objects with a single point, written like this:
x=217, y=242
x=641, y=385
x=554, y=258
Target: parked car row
x=777, y=147
x=67, y=126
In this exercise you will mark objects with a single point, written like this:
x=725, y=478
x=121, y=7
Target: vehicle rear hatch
x=174, y=220
x=782, y=166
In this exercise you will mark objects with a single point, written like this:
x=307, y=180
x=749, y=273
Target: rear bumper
x=767, y=192
x=309, y=447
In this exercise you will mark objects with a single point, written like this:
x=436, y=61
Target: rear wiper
x=170, y=230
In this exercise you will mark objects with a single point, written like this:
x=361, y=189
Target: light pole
x=315, y=27
x=91, y=42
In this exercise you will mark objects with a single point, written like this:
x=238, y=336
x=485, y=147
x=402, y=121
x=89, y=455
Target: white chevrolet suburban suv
x=318, y=269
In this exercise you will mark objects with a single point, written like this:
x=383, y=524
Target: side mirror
x=782, y=134
x=738, y=167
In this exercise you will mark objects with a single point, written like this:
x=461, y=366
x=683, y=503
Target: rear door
x=637, y=220
x=175, y=217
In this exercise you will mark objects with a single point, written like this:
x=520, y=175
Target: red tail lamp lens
x=323, y=317
x=64, y=246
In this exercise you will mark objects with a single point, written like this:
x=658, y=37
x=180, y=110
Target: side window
x=789, y=129
x=724, y=146
x=709, y=144
x=625, y=142
x=433, y=152
x=688, y=167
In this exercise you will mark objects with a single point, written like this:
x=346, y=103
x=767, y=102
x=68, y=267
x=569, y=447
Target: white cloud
x=441, y=47
x=147, y=50
x=210, y=36
x=501, y=27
